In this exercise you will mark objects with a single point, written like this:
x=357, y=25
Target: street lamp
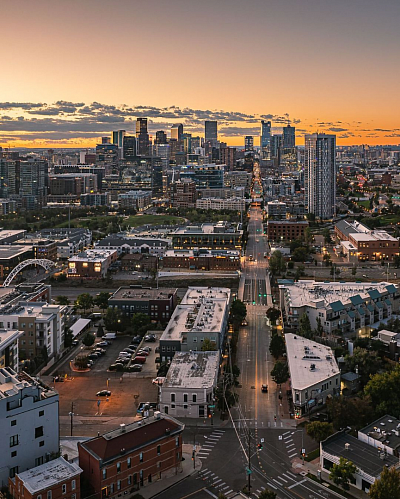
x=71, y=415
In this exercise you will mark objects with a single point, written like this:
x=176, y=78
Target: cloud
x=20, y=105
x=337, y=129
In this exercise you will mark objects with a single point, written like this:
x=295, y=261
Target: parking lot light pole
x=71, y=415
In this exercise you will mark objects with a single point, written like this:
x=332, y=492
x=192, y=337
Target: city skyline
x=323, y=66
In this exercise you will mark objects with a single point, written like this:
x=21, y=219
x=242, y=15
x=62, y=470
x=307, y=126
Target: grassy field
x=137, y=220
x=389, y=219
x=364, y=204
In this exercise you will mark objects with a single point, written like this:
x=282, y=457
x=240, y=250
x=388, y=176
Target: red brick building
x=139, y=262
x=184, y=194
x=124, y=460
x=202, y=259
x=91, y=264
x=286, y=230
x=57, y=479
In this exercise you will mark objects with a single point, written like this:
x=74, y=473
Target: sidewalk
x=171, y=477
x=214, y=422
x=313, y=467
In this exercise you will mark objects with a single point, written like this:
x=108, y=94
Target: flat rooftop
x=12, y=250
x=302, y=354
x=219, y=228
x=310, y=293
x=195, y=294
x=364, y=456
x=192, y=370
x=384, y=429
x=7, y=337
x=142, y=294
x=49, y=474
x=92, y=256
x=201, y=252
x=4, y=234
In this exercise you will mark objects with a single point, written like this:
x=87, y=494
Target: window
x=49, y=494
x=41, y=443
x=39, y=496
x=112, y=488
x=14, y=453
x=141, y=457
x=39, y=461
x=177, y=441
x=73, y=496
x=135, y=479
x=129, y=479
x=172, y=397
x=104, y=473
x=129, y=462
x=172, y=407
x=118, y=484
x=185, y=397
x=118, y=467
x=39, y=432
x=194, y=397
x=13, y=441
x=64, y=488
x=41, y=413
x=185, y=406
x=73, y=484
x=14, y=422
x=158, y=450
x=13, y=471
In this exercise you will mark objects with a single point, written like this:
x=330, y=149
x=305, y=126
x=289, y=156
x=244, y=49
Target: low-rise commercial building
x=96, y=199
x=158, y=304
x=358, y=242
x=202, y=314
x=11, y=256
x=342, y=307
x=69, y=241
x=57, y=479
x=188, y=389
x=132, y=456
x=276, y=209
x=314, y=373
x=286, y=230
x=368, y=461
x=140, y=262
x=9, y=348
x=218, y=204
x=128, y=245
x=91, y=264
x=222, y=235
x=29, y=431
x=11, y=236
x=383, y=434
x=202, y=259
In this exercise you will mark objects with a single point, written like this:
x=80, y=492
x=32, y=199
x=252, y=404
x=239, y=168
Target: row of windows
x=185, y=397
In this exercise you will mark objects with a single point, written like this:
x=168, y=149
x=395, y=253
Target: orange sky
x=317, y=61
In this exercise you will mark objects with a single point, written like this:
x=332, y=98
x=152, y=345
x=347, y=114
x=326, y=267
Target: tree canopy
x=384, y=391
x=88, y=340
x=280, y=373
x=277, y=346
x=341, y=474
x=101, y=300
x=84, y=301
x=208, y=345
x=387, y=486
x=319, y=430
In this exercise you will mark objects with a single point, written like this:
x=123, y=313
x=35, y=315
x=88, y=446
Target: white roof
x=192, y=370
x=79, y=326
x=8, y=337
x=49, y=474
x=302, y=354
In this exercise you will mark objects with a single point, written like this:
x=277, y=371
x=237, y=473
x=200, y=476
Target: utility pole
x=249, y=462
x=71, y=414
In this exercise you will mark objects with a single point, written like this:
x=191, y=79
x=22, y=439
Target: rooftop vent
x=312, y=367
x=167, y=431
x=122, y=427
x=347, y=446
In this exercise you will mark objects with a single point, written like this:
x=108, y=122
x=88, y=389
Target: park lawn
x=389, y=219
x=137, y=220
x=364, y=204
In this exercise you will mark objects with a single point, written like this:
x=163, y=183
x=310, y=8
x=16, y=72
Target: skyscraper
x=177, y=131
x=248, y=143
x=320, y=174
x=118, y=138
x=289, y=137
x=211, y=132
x=129, y=147
x=142, y=137
x=161, y=137
x=265, y=140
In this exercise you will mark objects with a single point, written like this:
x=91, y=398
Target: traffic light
x=259, y=446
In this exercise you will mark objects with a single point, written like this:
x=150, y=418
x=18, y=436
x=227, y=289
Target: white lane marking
x=289, y=436
x=276, y=481
x=297, y=483
x=288, y=447
x=226, y=487
x=219, y=480
x=202, y=457
x=292, y=455
x=289, y=477
x=210, y=493
x=283, y=480
x=272, y=485
x=229, y=491
x=207, y=473
x=288, y=472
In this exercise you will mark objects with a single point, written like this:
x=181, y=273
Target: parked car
x=103, y=343
x=150, y=338
x=101, y=351
x=157, y=350
x=94, y=356
x=103, y=393
x=136, y=340
x=142, y=352
x=129, y=350
x=125, y=354
x=75, y=342
x=146, y=349
x=135, y=368
x=133, y=347
x=140, y=359
x=123, y=361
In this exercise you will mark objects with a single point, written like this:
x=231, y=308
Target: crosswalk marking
x=283, y=480
x=272, y=485
x=219, y=480
x=276, y=481
x=290, y=478
x=286, y=432
x=290, y=445
x=291, y=474
x=292, y=455
x=297, y=483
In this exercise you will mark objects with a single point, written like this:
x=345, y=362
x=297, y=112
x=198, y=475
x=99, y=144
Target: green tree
x=327, y=236
x=344, y=411
x=139, y=321
x=367, y=364
x=277, y=346
x=319, y=430
x=320, y=330
x=112, y=319
x=208, y=345
x=384, y=391
x=62, y=300
x=273, y=314
x=308, y=237
x=68, y=338
x=305, y=327
x=238, y=313
x=300, y=254
x=267, y=494
x=341, y=474
x=81, y=362
x=88, y=339
x=387, y=486
x=277, y=264
x=101, y=300
x=280, y=373
x=84, y=301
x=354, y=270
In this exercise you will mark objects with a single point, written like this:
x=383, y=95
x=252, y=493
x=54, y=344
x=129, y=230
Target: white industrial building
x=314, y=373
x=29, y=430
x=188, y=389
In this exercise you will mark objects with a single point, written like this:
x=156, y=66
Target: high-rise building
x=142, y=137
x=177, y=131
x=33, y=181
x=161, y=137
x=187, y=142
x=105, y=140
x=228, y=157
x=289, y=137
x=118, y=138
x=248, y=143
x=129, y=147
x=275, y=145
x=265, y=140
x=320, y=174
x=211, y=132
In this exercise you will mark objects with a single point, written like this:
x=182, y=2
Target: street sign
x=211, y=406
x=262, y=440
x=280, y=437
x=248, y=471
x=98, y=403
x=303, y=451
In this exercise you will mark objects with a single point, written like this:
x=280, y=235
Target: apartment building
x=286, y=230
x=29, y=431
x=129, y=245
x=91, y=264
x=202, y=259
x=138, y=200
x=122, y=461
x=9, y=348
x=222, y=235
x=212, y=203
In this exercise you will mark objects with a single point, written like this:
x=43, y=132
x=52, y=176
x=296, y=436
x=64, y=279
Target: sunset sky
x=73, y=70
